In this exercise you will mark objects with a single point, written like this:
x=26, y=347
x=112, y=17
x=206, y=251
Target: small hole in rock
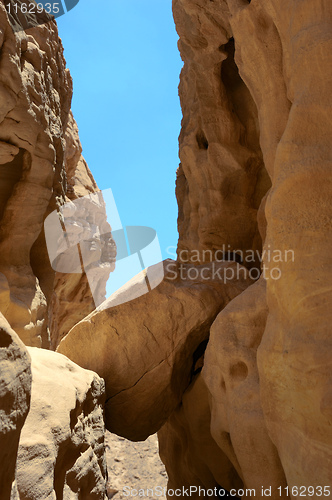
x=239, y=371
x=202, y=141
x=198, y=358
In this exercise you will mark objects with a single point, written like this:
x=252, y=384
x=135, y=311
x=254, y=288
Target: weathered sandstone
x=222, y=178
x=231, y=374
x=41, y=168
x=15, y=390
x=191, y=455
x=144, y=348
x=61, y=450
x=294, y=356
x=267, y=363
x=255, y=174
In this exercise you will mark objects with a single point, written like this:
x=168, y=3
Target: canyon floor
x=133, y=465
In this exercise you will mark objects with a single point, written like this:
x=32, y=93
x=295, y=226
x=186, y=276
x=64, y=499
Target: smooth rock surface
x=144, y=349
x=231, y=375
x=191, y=455
x=284, y=51
x=272, y=91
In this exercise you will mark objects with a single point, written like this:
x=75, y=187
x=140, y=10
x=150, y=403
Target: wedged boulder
x=61, y=450
x=145, y=348
x=190, y=454
x=15, y=390
x=231, y=374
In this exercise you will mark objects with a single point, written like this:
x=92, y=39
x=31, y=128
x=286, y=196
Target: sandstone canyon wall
x=268, y=361
x=235, y=374
x=41, y=169
x=51, y=410
x=254, y=180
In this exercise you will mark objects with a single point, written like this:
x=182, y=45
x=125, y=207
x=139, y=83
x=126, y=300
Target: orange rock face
x=193, y=457
x=41, y=167
x=235, y=374
x=61, y=451
x=146, y=348
x=222, y=177
x=261, y=108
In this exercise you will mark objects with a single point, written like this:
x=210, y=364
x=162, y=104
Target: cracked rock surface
x=144, y=349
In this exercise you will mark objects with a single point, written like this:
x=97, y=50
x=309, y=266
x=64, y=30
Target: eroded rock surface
x=15, y=391
x=192, y=457
x=255, y=91
x=134, y=466
x=255, y=151
x=222, y=177
x=231, y=374
x=61, y=450
x=41, y=168
x=145, y=348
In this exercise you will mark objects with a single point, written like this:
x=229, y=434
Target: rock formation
x=258, y=73
x=192, y=456
x=61, y=448
x=15, y=392
x=61, y=452
x=222, y=177
x=41, y=168
x=230, y=361
x=254, y=135
x=237, y=420
x=145, y=348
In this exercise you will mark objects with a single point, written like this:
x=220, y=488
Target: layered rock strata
x=41, y=168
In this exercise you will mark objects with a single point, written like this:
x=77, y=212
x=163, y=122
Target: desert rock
x=61, y=449
x=258, y=73
x=41, y=169
x=15, y=391
x=235, y=374
x=134, y=466
x=222, y=177
x=144, y=348
x=191, y=455
x=231, y=374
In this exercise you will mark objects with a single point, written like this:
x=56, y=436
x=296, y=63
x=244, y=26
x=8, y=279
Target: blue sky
x=125, y=64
